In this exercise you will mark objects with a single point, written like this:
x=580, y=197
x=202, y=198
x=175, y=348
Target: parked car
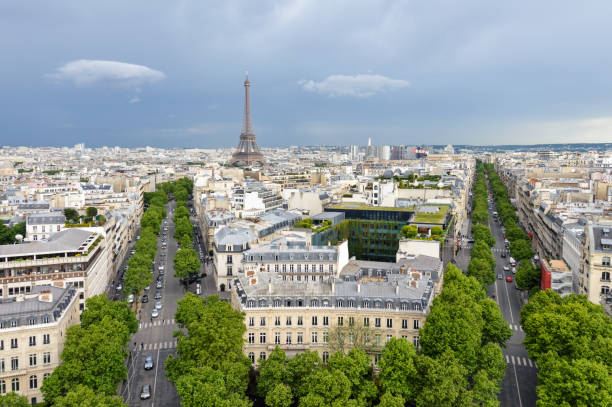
x=145, y=298
x=500, y=276
x=503, y=255
x=158, y=305
x=158, y=295
x=506, y=268
x=160, y=278
x=159, y=285
x=148, y=364
x=130, y=298
x=508, y=279
x=145, y=392
x=154, y=313
x=119, y=287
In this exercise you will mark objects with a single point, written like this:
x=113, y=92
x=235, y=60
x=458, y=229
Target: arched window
x=251, y=304
x=326, y=303
x=262, y=355
x=33, y=382
x=15, y=385
x=340, y=303
x=262, y=303
x=277, y=303
x=325, y=357
x=314, y=303
x=2, y=387
x=252, y=357
x=351, y=303
x=366, y=304
x=404, y=306
x=389, y=304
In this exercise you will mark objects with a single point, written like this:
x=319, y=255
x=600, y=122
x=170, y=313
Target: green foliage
x=52, y=172
x=436, y=230
x=210, y=369
x=409, y=231
x=483, y=233
x=99, y=307
x=13, y=399
x=527, y=276
x=92, y=211
x=327, y=388
x=389, y=400
x=521, y=250
x=83, y=396
x=71, y=215
x=280, y=396
x=356, y=367
x=186, y=263
x=397, y=370
x=570, y=339
x=7, y=235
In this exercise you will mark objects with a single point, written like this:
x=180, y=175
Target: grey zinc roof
x=69, y=240
x=11, y=309
x=231, y=235
x=45, y=218
x=296, y=254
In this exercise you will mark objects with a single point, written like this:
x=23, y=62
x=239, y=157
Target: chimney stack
x=358, y=285
x=396, y=288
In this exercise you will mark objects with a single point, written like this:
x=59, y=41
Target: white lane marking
x=529, y=361
x=155, y=381
x=507, y=359
x=512, y=357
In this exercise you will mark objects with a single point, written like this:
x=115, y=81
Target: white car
x=130, y=298
x=158, y=305
x=506, y=268
x=154, y=313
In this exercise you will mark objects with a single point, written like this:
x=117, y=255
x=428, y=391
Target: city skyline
x=401, y=73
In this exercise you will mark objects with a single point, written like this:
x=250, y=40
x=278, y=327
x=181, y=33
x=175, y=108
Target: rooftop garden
x=309, y=224
x=431, y=217
x=362, y=206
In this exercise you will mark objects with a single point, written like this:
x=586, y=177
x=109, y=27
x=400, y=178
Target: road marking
x=507, y=359
x=529, y=361
x=512, y=357
x=509, y=306
x=155, y=381
x=524, y=362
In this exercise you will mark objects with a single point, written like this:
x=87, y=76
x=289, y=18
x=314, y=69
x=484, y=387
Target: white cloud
x=85, y=72
x=362, y=85
x=133, y=100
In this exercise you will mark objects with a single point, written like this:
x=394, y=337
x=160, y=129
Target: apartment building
x=556, y=276
x=32, y=334
x=41, y=226
x=76, y=256
x=379, y=300
x=596, y=267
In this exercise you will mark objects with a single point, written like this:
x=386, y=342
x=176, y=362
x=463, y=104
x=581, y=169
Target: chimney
x=270, y=287
x=45, y=296
x=396, y=288
x=20, y=298
x=333, y=285
x=358, y=285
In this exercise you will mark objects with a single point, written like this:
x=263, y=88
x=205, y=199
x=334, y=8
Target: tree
x=327, y=388
x=351, y=336
x=436, y=231
x=13, y=399
x=483, y=233
x=208, y=387
x=181, y=212
x=99, y=306
x=92, y=211
x=186, y=242
x=186, y=263
x=494, y=329
x=409, y=231
x=83, y=396
x=273, y=371
x=442, y=382
x=389, y=400
x=280, y=396
x=71, y=215
x=527, y=276
x=480, y=269
x=356, y=367
x=397, y=370
x=301, y=367
x=190, y=308
x=521, y=250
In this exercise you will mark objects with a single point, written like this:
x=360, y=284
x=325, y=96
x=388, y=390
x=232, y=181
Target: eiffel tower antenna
x=247, y=152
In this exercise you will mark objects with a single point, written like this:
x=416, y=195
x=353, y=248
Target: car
x=154, y=313
x=158, y=295
x=159, y=285
x=130, y=298
x=503, y=255
x=132, y=252
x=126, y=268
x=514, y=270
x=471, y=241
x=147, y=288
x=506, y=268
x=145, y=298
x=145, y=392
x=160, y=278
x=508, y=279
x=158, y=305
x=500, y=276
x=148, y=364
x=119, y=287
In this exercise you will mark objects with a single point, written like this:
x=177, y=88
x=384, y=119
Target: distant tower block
x=247, y=152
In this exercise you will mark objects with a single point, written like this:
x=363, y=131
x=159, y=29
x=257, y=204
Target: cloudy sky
x=169, y=73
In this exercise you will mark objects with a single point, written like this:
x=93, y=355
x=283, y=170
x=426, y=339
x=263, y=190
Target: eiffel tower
x=247, y=152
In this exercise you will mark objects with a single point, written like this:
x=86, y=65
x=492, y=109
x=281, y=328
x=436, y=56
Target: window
x=351, y=321
x=14, y=363
x=46, y=375
x=605, y=276
x=31, y=321
x=32, y=341
x=366, y=321
x=605, y=261
x=45, y=318
x=251, y=337
x=389, y=337
x=2, y=345
x=300, y=338
x=314, y=321
x=325, y=337
x=284, y=268
x=325, y=321
x=291, y=268
x=404, y=324
x=377, y=358
x=15, y=385
x=13, y=323
x=33, y=382
x=2, y=387
x=340, y=321
x=300, y=321
x=277, y=338
x=46, y=339
x=366, y=304
x=14, y=343
x=277, y=303
x=2, y=366
x=377, y=339
x=288, y=322
x=605, y=289
x=331, y=268
x=276, y=321
x=251, y=321
x=229, y=270
x=262, y=337
x=276, y=268
x=262, y=321
x=415, y=341
x=325, y=357
x=33, y=359
x=315, y=337
x=377, y=322
x=389, y=323
x=262, y=355
x=230, y=259
x=352, y=338
x=416, y=324
x=252, y=357
x=389, y=305
x=288, y=338
x=320, y=268
x=46, y=358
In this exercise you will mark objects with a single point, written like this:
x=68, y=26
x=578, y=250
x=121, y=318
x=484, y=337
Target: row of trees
x=482, y=262
x=460, y=362
x=570, y=339
x=93, y=356
x=186, y=260
x=527, y=277
x=140, y=266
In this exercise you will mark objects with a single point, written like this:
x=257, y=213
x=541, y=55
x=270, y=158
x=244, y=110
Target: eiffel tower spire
x=247, y=152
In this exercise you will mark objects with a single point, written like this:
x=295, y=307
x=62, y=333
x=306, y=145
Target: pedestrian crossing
x=160, y=345
x=519, y=361
x=517, y=328
x=159, y=322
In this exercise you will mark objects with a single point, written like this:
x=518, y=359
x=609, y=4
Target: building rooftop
x=45, y=218
x=30, y=309
x=362, y=206
x=69, y=240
